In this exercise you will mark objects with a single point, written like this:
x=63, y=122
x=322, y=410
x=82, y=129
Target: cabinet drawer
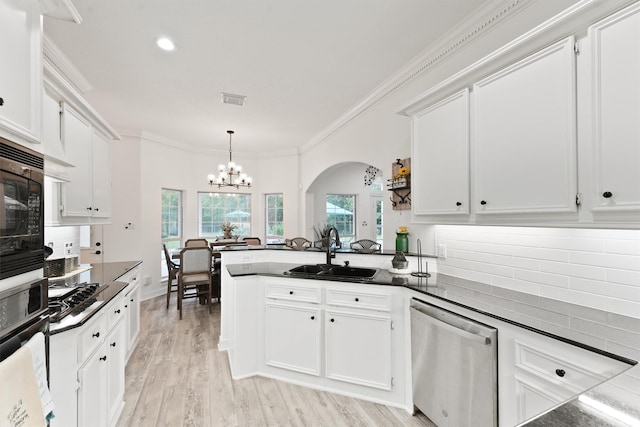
x=566, y=365
x=293, y=293
x=366, y=300
x=114, y=311
x=92, y=335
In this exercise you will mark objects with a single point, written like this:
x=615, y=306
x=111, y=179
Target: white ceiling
x=301, y=64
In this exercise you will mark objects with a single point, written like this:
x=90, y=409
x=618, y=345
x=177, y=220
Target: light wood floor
x=177, y=377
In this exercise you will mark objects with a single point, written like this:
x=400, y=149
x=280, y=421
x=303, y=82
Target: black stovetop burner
x=70, y=301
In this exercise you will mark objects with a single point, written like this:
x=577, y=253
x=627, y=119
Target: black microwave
x=21, y=209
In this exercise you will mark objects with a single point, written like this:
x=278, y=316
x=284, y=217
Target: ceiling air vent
x=229, y=98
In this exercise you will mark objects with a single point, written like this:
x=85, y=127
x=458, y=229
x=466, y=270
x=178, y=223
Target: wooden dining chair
x=196, y=243
x=252, y=240
x=172, y=270
x=195, y=273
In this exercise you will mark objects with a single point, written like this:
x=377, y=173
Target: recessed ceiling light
x=165, y=43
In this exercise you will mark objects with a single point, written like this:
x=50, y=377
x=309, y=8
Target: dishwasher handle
x=482, y=339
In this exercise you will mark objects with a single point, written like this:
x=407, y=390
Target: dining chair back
x=252, y=241
x=365, y=246
x=298, y=243
x=196, y=243
x=195, y=273
x=172, y=273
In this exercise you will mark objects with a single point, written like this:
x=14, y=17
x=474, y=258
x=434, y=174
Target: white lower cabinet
x=293, y=337
x=87, y=369
x=342, y=338
x=358, y=348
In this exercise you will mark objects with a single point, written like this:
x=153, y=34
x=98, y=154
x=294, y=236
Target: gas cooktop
x=76, y=300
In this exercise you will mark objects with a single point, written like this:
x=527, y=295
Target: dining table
x=215, y=248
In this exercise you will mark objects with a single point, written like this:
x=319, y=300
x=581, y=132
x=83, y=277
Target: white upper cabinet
x=616, y=120
x=21, y=70
x=524, y=135
x=86, y=197
x=441, y=157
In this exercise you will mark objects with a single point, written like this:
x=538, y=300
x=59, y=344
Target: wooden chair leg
x=180, y=292
x=169, y=282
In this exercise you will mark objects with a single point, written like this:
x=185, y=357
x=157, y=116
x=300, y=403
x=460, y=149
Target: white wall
x=590, y=267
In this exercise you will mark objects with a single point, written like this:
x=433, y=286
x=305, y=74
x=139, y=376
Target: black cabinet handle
x=98, y=252
x=103, y=358
x=89, y=208
x=607, y=194
x=458, y=203
x=560, y=372
x=1, y=102
x=96, y=335
x=332, y=320
x=131, y=300
x=113, y=344
x=482, y=202
x=357, y=299
x=290, y=292
x=117, y=311
x=125, y=306
x=313, y=317
x=96, y=209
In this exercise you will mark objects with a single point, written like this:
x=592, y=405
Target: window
x=341, y=213
x=216, y=208
x=171, y=223
x=274, y=226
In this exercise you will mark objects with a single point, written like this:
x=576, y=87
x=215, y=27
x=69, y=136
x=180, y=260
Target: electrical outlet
x=442, y=251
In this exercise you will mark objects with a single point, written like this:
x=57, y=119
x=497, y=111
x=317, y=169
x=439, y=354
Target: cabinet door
x=21, y=72
x=292, y=337
x=616, y=67
x=115, y=371
x=440, y=169
x=101, y=177
x=92, y=394
x=132, y=304
x=534, y=396
x=77, y=193
x=524, y=135
x=358, y=348
x=51, y=141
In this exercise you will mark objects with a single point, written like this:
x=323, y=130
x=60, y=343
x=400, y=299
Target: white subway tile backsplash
x=625, y=277
x=597, y=268
x=516, y=262
x=540, y=277
x=573, y=270
x=574, y=297
x=623, y=247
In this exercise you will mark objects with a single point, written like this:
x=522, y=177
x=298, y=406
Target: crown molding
x=56, y=59
x=474, y=27
x=61, y=9
x=157, y=139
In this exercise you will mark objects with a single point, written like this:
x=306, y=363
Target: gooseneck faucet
x=330, y=253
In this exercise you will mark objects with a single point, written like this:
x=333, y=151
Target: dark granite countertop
x=605, y=333
x=235, y=248
x=103, y=274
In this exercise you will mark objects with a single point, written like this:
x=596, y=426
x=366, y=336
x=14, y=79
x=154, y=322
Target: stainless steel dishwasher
x=454, y=367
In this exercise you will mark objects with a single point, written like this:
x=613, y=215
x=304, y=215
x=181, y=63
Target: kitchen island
x=596, y=332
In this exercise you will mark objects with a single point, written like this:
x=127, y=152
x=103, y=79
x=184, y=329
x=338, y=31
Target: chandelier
x=230, y=175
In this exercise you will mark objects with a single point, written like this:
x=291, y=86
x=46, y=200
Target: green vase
x=402, y=242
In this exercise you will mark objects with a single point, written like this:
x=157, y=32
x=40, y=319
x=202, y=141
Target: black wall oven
x=21, y=209
x=23, y=313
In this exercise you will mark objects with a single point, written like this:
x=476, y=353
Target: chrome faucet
x=332, y=254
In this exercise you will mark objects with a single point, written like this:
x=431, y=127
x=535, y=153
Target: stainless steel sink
x=336, y=271
x=351, y=272
x=306, y=269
